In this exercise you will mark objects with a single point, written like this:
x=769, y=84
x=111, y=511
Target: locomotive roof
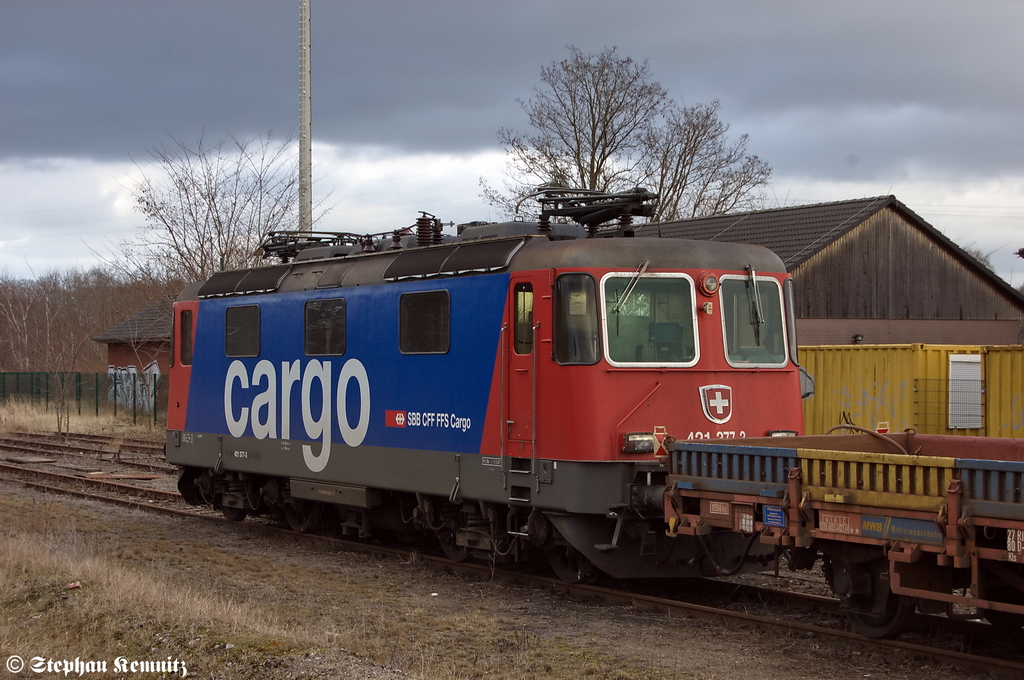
x=470, y=257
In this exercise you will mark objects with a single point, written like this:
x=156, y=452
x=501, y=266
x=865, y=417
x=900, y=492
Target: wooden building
x=870, y=270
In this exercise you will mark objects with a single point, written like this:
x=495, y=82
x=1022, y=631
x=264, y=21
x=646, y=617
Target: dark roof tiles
x=153, y=323
x=795, y=234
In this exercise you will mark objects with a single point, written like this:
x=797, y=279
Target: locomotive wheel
x=569, y=564
x=234, y=514
x=302, y=518
x=454, y=552
x=898, y=609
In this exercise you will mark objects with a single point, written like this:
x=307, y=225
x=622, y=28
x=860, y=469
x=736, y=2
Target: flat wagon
x=899, y=521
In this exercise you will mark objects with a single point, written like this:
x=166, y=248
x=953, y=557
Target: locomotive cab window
x=185, y=336
x=649, y=320
x=424, y=323
x=576, y=329
x=242, y=331
x=752, y=321
x=523, y=330
x=325, y=327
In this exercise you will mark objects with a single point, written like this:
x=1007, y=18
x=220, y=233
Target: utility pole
x=305, y=124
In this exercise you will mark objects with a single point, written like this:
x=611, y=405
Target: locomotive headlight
x=709, y=284
x=639, y=442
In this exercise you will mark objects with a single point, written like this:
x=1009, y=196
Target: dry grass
x=245, y=609
x=24, y=416
x=60, y=600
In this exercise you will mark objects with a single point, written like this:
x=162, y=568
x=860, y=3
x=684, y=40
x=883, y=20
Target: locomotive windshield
x=752, y=320
x=649, y=320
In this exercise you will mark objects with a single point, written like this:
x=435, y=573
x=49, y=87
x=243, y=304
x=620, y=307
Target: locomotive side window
x=576, y=328
x=649, y=320
x=787, y=295
x=325, y=327
x=185, y=336
x=242, y=331
x=424, y=323
x=752, y=320
x=524, y=318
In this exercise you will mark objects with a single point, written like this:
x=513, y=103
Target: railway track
x=136, y=454
x=973, y=646
x=136, y=444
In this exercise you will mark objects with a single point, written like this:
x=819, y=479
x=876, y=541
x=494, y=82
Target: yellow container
x=1004, y=384
x=935, y=389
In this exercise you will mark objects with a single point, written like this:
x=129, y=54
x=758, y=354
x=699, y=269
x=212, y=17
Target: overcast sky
x=921, y=99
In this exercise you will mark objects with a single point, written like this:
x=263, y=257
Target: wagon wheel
x=569, y=564
x=898, y=609
x=453, y=551
x=303, y=518
x=234, y=514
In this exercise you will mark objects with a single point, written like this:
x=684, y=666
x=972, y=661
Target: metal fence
x=140, y=398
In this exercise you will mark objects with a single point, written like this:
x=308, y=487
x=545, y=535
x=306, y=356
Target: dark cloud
x=819, y=87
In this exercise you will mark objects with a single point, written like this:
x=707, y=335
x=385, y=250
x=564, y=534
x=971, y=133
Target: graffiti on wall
x=1016, y=415
x=132, y=389
x=879, y=402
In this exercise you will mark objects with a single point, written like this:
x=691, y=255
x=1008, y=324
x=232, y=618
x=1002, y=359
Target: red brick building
x=141, y=344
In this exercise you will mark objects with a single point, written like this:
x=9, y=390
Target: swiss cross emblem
x=717, y=402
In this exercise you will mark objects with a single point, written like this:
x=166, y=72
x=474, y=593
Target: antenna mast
x=305, y=123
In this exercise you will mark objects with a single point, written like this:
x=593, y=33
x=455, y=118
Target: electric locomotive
x=509, y=391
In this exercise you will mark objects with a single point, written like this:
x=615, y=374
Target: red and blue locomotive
x=509, y=391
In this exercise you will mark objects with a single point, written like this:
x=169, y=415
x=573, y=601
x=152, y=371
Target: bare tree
x=62, y=335
x=602, y=124
x=979, y=254
x=17, y=306
x=691, y=165
x=207, y=207
x=47, y=325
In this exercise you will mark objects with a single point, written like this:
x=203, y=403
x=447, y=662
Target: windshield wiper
x=631, y=285
x=758, y=309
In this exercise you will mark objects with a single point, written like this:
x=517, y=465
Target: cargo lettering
x=430, y=419
x=315, y=378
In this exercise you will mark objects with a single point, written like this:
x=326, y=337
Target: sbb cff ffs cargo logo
x=394, y=418
x=717, y=402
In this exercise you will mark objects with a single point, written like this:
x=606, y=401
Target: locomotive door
x=521, y=378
